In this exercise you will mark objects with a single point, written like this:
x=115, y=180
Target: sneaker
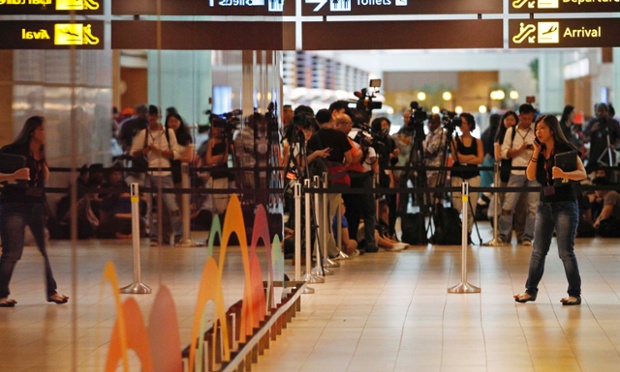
x=527, y=243
x=397, y=247
x=355, y=253
x=501, y=241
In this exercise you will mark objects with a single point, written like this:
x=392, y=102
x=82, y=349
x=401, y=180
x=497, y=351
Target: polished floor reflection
x=378, y=312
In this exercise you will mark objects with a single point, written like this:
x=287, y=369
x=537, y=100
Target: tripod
x=437, y=208
x=608, y=152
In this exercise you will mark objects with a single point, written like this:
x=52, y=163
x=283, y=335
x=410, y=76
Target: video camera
x=229, y=121
x=365, y=103
x=418, y=115
x=450, y=120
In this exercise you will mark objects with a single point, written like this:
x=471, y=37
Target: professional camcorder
x=450, y=120
x=365, y=96
x=418, y=115
x=229, y=121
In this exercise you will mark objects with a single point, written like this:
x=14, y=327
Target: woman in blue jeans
x=23, y=205
x=557, y=209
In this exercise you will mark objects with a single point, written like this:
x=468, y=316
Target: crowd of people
x=359, y=154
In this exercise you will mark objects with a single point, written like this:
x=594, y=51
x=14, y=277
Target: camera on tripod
x=450, y=120
x=418, y=115
x=229, y=122
x=365, y=103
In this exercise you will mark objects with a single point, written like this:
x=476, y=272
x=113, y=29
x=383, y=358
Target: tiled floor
x=378, y=312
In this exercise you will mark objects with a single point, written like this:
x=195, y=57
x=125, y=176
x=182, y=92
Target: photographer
x=433, y=145
x=519, y=149
x=387, y=157
x=160, y=146
x=328, y=138
x=362, y=153
x=216, y=157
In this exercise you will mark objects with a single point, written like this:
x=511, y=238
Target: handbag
x=140, y=163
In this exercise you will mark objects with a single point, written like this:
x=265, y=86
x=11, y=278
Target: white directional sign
x=378, y=7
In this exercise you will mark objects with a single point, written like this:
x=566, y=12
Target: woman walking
x=23, y=205
x=557, y=210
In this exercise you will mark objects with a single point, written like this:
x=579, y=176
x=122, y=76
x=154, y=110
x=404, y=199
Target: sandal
x=7, y=302
x=571, y=301
x=523, y=298
x=58, y=299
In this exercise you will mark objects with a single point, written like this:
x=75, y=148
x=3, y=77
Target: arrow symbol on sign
x=319, y=2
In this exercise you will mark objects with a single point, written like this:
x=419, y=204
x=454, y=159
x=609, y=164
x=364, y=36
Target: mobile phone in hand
x=537, y=141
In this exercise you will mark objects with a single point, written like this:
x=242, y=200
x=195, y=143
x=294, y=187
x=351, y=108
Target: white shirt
x=158, y=139
x=522, y=136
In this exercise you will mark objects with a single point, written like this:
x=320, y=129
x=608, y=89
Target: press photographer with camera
x=218, y=149
x=387, y=155
x=160, y=147
x=328, y=138
x=363, y=166
x=519, y=149
x=433, y=156
x=468, y=153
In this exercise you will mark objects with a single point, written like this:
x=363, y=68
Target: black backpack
x=447, y=226
x=413, y=229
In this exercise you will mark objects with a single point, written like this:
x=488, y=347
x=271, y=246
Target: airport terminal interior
x=375, y=312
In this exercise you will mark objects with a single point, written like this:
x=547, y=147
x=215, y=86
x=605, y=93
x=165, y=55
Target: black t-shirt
x=563, y=193
x=333, y=139
x=33, y=193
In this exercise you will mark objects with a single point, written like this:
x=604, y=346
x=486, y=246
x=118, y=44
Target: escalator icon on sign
x=541, y=33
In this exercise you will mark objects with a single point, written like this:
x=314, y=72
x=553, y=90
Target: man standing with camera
x=160, y=147
x=520, y=150
x=433, y=144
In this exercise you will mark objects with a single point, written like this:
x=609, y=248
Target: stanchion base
x=136, y=288
x=494, y=243
x=188, y=243
x=464, y=288
x=342, y=256
x=312, y=279
x=327, y=262
x=308, y=290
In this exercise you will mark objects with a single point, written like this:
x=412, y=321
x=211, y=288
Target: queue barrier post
x=319, y=269
x=297, y=196
x=327, y=262
x=309, y=277
x=137, y=287
x=185, y=241
x=464, y=286
x=496, y=207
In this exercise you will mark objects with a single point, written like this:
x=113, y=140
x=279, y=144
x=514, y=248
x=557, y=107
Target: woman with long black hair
x=557, y=211
x=23, y=205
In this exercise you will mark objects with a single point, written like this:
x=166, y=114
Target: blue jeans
x=510, y=203
x=15, y=218
x=563, y=217
x=176, y=224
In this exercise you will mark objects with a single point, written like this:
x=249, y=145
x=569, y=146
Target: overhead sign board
x=564, y=6
x=50, y=6
x=178, y=35
x=51, y=35
x=402, y=35
x=379, y=7
x=205, y=7
x=564, y=33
